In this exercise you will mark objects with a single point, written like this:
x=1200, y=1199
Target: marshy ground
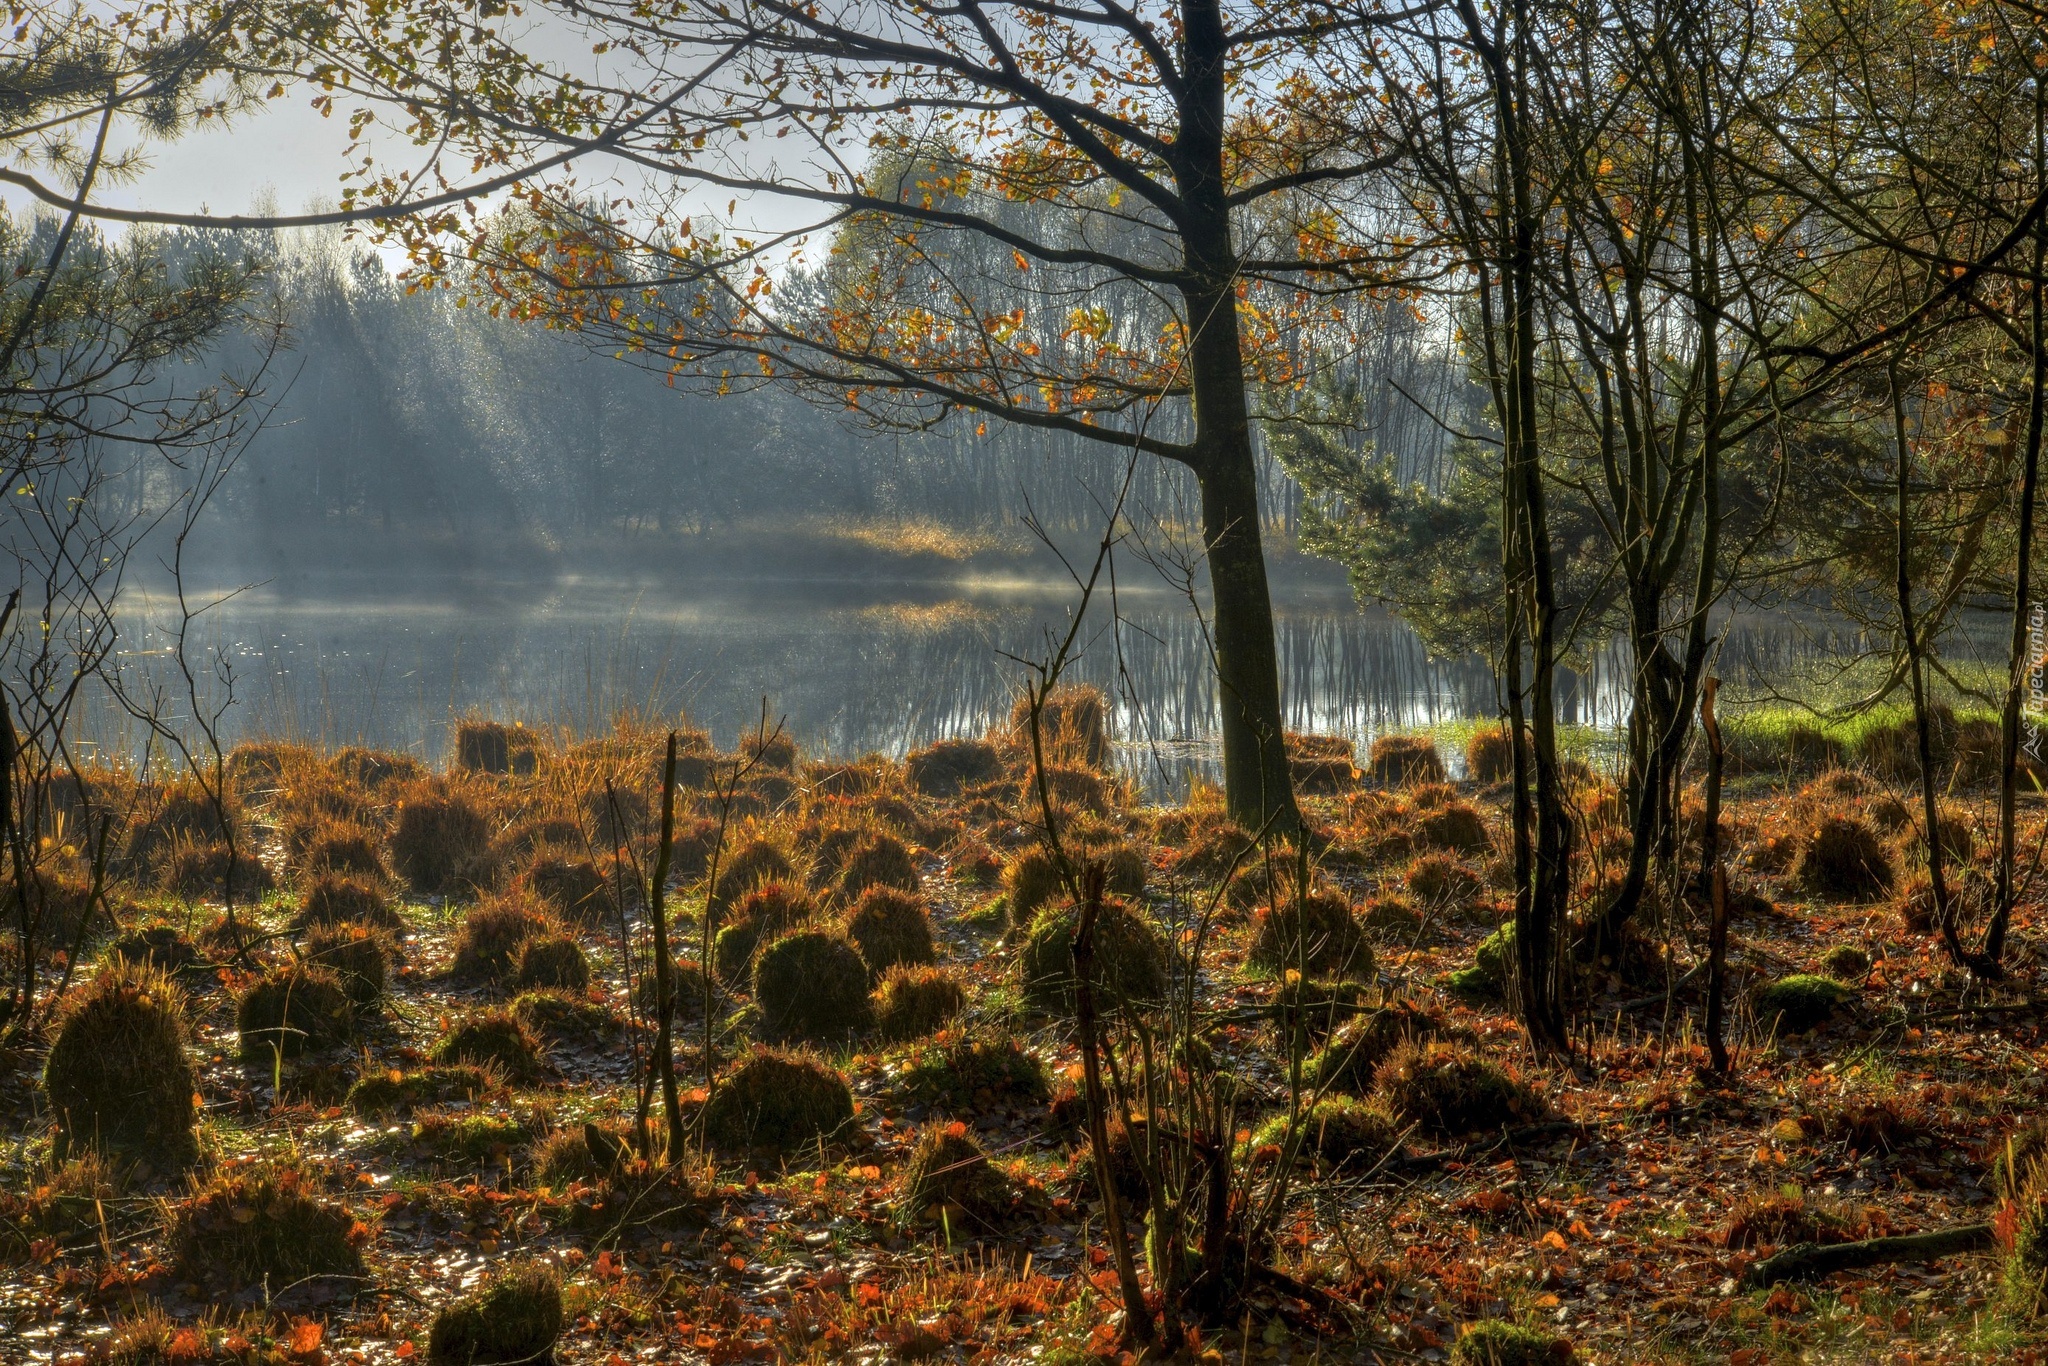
x=414, y=1059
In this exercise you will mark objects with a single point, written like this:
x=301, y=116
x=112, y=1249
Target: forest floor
x=1624, y=1230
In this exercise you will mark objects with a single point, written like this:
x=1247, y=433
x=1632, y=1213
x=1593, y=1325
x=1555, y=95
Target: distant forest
x=405, y=420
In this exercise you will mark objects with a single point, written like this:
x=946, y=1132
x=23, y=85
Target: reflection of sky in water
x=847, y=669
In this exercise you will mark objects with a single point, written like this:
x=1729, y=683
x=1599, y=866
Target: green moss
x=780, y=1103
x=1336, y=1131
x=469, y=1140
x=492, y=1038
x=1351, y=1059
x=1846, y=963
x=250, y=1224
x=1496, y=1342
x=1794, y=1004
x=515, y=1318
x=812, y=987
x=117, y=1077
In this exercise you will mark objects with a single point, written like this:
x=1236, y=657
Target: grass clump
x=778, y=1102
x=1351, y=1058
x=568, y=886
x=891, y=927
x=1846, y=963
x=440, y=841
x=67, y=1205
x=1031, y=881
x=1496, y=1342
x=1448, y=1091
x=495, y=747
x=493, y=934
x=1130, y=963
x=337, y=899
x=978, y=1071
x=1456, y=826
x=516, y=1317
x=552, y=961
x=2018, y=1161
x=1404, y=761
x=914, y=1001
x=346, y=848
x=1490, y=755
x=291, y=1010
x=162, y=947
x=117, y=1076
x=1337, y=1131
x=878, y=860
x=768, y=910
x=1440, y=878
x=494, y=1038
x=1795, y=1004
x=947, y=767
x=812, y=986
x=249, y=1224
x=1314, y=935
x=564, y=1017
x=391, y=1091
x=1843, y=859
x=1073, y=725
x=194, y=871
x=752, y=864
x=1778, y=1220
x=948, y=1170
x=358, y=956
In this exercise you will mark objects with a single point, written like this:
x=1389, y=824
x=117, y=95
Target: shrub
x=1404, y=760
x=117, y=1076
x=255, y=1223
x=975, y=1072
x=560, y=1016
x=492, y=1038
x=1490, y=756
x=293, y=1009
x=778, y=1102
x=516, y=1317
x=811, y=986
x=1496, y=1342
x=569, y=886
x=1455, y=826
x=358, y=956
x=1130, y=963
x=440, y=841
x=1795, y=1004
x=769, y=910
x=333, y=899
x=1447, y=1092
x=346, y=849
x=879, y=860
x=1336, y=1131
x=1314, y=935
x=1844, y=860
x=948, y=1168
x=947, y=766
x=891, y=927
x=1351, y=1060
x=388, y=1090
x=914, y=1001
x=1441, y=878
x=493, y=933
x=552, y=961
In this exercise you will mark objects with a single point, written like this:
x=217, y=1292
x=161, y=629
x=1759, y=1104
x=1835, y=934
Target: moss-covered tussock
x=1130, y=962
x=118, y=1077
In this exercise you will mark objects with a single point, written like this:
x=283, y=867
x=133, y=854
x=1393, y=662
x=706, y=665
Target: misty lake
x=847, y=668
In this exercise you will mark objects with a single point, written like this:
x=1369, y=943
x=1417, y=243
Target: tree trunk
x=1256, y=784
